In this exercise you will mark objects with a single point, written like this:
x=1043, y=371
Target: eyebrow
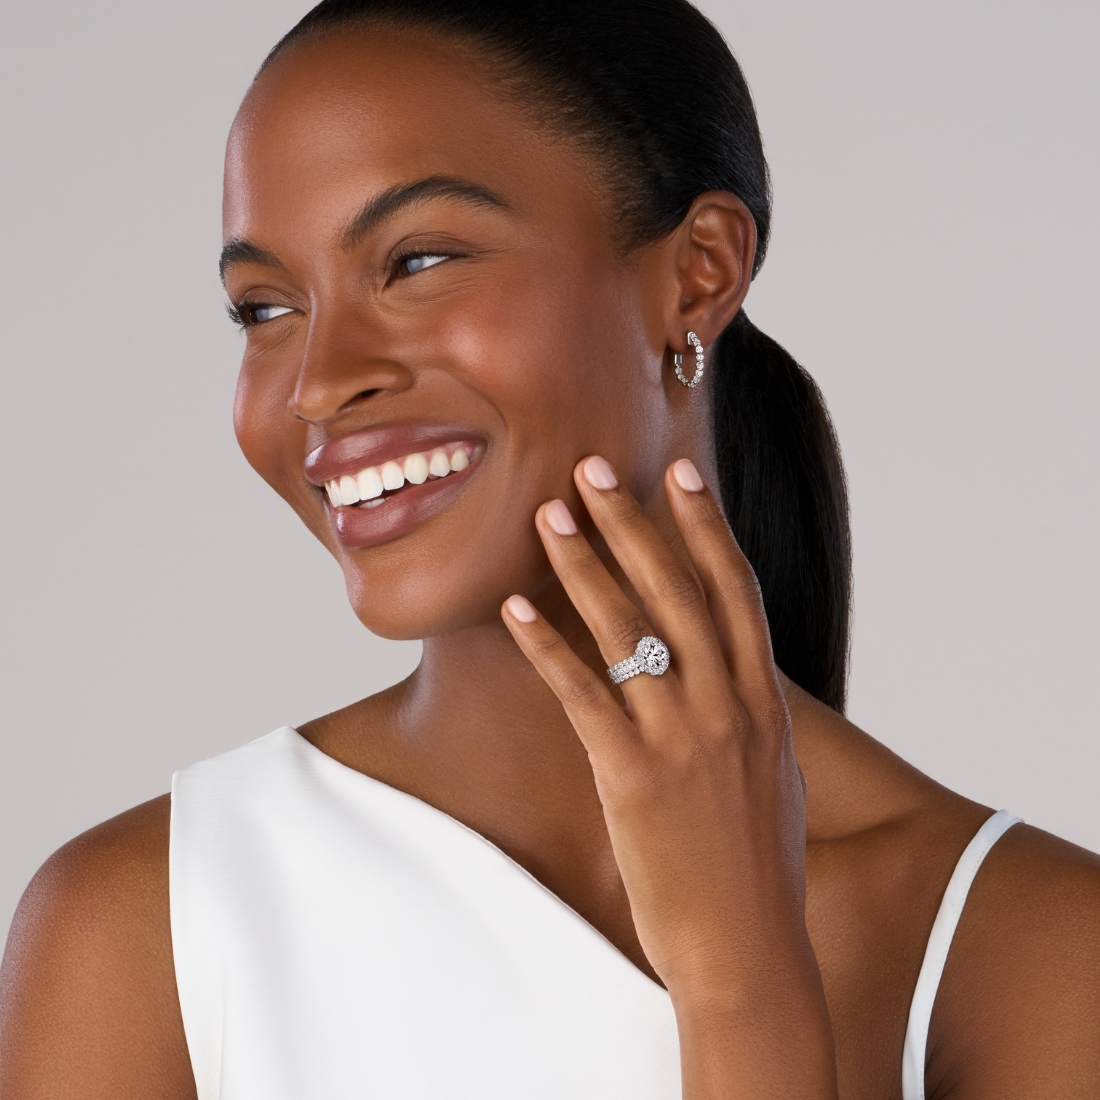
x=238, y=251
x=396, y=198
x=372, y=214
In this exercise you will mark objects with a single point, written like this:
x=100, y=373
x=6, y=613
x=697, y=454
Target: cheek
x=548, y=348
x=265, y=432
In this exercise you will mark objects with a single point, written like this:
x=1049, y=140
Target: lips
x=382, y=483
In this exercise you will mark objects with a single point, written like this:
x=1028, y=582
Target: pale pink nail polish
x=599, y=474
x=687, y=476
x=557, y=515
x=520, y=609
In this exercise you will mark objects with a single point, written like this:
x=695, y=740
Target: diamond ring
x=651, y=656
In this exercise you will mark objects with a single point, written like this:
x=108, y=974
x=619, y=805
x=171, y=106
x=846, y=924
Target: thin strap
x=939, y=943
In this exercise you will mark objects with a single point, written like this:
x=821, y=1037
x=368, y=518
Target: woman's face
x=424, y=272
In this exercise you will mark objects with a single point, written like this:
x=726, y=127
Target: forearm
x=757, y=1036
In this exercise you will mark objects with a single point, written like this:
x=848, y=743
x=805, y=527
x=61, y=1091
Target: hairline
x=513, y=79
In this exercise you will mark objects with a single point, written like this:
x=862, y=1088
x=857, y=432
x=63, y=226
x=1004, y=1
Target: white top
x=335, y=938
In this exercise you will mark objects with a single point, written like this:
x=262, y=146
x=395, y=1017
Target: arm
x=88, y=1005
x=702, y=795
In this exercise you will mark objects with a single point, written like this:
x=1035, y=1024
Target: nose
x=345, y=363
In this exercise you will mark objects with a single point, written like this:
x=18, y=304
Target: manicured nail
x=687, y=476
x=599, y=474
x=557, y=515
x=520, y=609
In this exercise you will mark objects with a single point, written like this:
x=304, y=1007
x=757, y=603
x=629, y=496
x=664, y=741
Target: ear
x=713, y=249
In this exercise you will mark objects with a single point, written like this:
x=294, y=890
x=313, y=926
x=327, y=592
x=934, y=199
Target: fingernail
x=687, y=476
x=520, y=609
x=557, y=515
x=599, y=474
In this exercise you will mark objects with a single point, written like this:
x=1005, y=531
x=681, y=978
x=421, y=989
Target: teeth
x=349, y=491
x=416, y=469
x=440, y=465
x=393, y=477
x=369, y=484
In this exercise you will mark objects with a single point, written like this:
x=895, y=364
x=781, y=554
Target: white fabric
x=335, y=938
x=939, y=943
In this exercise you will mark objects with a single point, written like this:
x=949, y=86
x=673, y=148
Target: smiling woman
x=614, y=836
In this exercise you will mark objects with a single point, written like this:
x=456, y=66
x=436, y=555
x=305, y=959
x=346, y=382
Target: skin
x=768, y=862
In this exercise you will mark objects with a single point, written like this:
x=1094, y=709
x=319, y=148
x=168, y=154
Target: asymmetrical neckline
x=335, y=936
x=373, y=787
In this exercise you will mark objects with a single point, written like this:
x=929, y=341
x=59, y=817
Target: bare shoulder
x=88, y=1003
x=1018, y=1012
x=1018, y=1009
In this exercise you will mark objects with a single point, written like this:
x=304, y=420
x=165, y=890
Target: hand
x=701, y=791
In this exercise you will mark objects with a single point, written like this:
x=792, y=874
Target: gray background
x=934, y=264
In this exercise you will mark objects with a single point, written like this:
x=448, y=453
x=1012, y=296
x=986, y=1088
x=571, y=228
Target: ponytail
x=784, y=494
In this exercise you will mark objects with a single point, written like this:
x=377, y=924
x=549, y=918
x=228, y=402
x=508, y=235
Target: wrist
x=740, y=1035
x=729, y=973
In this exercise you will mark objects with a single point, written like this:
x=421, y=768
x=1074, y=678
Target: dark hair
x=652, y=90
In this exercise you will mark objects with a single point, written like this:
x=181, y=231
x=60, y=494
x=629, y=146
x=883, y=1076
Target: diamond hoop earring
x=678, y=361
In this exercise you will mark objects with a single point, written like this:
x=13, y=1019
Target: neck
x=481, y=718
x=475, y=732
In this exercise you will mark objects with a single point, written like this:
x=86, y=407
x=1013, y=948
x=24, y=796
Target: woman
x=491, y=261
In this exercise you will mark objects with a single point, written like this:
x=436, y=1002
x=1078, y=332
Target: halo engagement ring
x=651, y=656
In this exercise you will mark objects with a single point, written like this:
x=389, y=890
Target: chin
x=437, y=596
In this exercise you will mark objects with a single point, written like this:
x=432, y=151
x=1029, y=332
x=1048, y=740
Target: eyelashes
x=246, y=314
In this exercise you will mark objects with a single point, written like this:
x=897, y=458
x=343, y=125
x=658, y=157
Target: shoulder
x=1019, y=1002
x=134, y=843
x=87, y=990
x=1017, y=1008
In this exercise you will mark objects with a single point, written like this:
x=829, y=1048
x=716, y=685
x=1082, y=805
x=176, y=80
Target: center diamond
x=653, y=653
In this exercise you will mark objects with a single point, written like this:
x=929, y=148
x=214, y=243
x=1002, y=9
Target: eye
x=418, y=261
x=260, y=313
x=247, y=314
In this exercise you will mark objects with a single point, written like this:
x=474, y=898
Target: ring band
x=651, y=656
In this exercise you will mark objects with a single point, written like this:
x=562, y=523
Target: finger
x=600, y=723
x=614, y=620
x=673, y=598
x=729, y=583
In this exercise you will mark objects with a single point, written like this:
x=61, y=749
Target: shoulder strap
x=939, y=943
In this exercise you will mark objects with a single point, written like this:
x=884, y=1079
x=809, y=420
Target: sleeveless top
x=337, y=938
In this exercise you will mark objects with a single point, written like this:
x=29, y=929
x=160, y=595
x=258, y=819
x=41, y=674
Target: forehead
x=335, y=120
